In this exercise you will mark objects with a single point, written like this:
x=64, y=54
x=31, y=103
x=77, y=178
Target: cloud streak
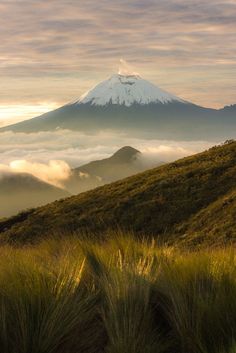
x=53, y=172
x=65, y=46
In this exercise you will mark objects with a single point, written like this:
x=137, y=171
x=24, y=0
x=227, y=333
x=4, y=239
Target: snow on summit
x=126, y=90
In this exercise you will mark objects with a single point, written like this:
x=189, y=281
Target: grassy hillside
x=123, y=296
x=172, y=202
x=217, y=221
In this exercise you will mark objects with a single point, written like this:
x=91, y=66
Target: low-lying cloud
x=50, y=156
x=76, y=148
x=169, y=152
x=53, y=172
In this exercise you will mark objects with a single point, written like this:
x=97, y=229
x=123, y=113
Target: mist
x=126, y=69
x=76, y=148
x=52, y=156
x=54, y=172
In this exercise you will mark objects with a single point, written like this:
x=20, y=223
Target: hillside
x=217, y=221
x=123, y=163
x=172, y=201
x=119, y=165
x=19, y=191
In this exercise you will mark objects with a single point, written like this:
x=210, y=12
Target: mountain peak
x=125, y=154
x=121, y=89
x=126, y=78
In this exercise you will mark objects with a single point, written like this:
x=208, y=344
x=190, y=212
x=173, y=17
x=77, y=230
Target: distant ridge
x=125, y=154
x=19, y=191
x=124, y=158
x=121, y=164
x=191, y=201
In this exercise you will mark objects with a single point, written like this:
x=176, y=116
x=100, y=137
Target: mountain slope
x=127, y=90
x=213, y=224
x=230, y=108
x=157, y=202
x=124, y=155
x=134, y=106
x=121, y=164
x=21, y=191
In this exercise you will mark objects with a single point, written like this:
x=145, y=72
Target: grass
x=119, y=296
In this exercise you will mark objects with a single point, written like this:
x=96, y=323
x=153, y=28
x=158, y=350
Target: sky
x=53, y=51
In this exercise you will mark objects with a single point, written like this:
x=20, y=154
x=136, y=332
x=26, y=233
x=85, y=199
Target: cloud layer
x=53, y=172
x=76, y=148
x=55, y=50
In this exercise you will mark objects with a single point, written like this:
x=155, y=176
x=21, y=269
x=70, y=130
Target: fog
x=53, y=173
x=51, y=156
x=75, y=148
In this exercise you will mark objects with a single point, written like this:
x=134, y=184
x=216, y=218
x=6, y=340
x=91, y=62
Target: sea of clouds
x=51, y=155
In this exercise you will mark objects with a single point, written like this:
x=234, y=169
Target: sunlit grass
x=119, y=296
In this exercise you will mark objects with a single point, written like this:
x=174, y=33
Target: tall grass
x=122, y=296
x=45, y=306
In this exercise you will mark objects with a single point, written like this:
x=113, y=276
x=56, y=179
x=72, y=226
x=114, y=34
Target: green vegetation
x=121, y=296
x=190, y=201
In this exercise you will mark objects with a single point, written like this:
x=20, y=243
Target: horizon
x=62, y=49
x=10, y=114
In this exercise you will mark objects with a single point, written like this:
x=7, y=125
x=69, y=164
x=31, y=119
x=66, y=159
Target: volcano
x=132, y=105
x=126, y=91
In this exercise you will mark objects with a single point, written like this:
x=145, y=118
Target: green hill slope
x=213, y=224
x=170, y=201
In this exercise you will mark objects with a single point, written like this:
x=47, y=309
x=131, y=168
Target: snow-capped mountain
x=126, y=90
x=138, y=108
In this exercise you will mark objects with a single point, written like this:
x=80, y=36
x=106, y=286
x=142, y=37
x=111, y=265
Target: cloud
x=50, y=156
x=53, y=172
x=169, y=152
x=126, y=69
x=77, y=148
x=83, y=175
x=15, y=113
x=64, y=46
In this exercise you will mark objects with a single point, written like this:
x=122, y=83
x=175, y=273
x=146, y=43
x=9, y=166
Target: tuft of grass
x=201, y=291
x=126, y=280
x=45, y=306
x=119, y=296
